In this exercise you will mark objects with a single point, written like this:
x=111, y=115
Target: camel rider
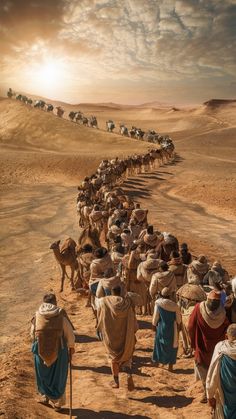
x=10, y=93
x=53, y=344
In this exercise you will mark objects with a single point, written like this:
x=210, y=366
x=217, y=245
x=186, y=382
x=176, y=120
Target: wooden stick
x=70, y=356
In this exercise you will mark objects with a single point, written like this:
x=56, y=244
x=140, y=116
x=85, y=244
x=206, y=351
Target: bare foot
x=43, y=400
x=115, y=384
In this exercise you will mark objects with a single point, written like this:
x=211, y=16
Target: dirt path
x=204, y=231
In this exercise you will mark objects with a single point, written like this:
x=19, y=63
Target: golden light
x=48, y=75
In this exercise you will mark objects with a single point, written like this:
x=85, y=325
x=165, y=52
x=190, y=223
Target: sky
x=124, y=51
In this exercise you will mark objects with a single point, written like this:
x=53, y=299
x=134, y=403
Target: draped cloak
x=117, y=324
x=51, y=328
x=206, y=330
x=221, y=379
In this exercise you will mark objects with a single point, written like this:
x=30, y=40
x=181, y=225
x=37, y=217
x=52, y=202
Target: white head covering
x=233, y=283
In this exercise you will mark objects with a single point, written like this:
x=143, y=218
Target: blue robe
x=228, y=384
x=164, y=352
x=51, y=381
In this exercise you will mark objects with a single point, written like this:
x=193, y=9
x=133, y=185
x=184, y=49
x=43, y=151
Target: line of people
x=148, y=267
x=135, y=269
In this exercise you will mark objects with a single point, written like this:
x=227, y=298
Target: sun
x=48, y=75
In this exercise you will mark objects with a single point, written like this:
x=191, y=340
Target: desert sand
x=43, y=159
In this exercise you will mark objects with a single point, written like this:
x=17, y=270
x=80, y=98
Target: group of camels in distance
x=78, y=117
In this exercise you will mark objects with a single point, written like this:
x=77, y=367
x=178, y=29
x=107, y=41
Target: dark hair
x=118, y=239
x=174, y=254
x=133, y=246
x=126, y=231
x=119, y=249
x=117, y=223
x=100, y=252
x=163, y=266
x=116, y=290
x=150, y=229
x=50, y=298
x=87, y=248
x=184, y=246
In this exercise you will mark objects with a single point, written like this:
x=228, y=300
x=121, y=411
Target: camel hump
x=68, y=245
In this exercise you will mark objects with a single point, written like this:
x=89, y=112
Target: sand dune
x=43, y=158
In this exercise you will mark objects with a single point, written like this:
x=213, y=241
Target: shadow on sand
x=166, y=401
x=103, y=414
x=85, y=339
x=143, y=324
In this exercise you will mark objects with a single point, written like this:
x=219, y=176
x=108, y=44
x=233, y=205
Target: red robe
x=203, y=337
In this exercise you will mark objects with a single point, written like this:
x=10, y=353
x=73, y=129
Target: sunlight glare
x=51, y=74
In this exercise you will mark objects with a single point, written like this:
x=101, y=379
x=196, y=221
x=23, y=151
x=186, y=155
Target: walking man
x=166, y=321
x=53, y=344
x=117, y=324
x=221, y=377
x=207, y=326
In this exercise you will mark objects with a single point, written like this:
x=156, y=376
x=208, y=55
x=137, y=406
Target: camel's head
x=55, y=245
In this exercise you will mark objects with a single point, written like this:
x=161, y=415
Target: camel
x=66, y=256
x=84, y=121
x=49, y=107
x=10, y=93
x=90, y=236
x=59, y=111
x=92, y=122
x=78, y=117
x=72, y=115
x=124, y=130
x=110, y=125
x=39, y=104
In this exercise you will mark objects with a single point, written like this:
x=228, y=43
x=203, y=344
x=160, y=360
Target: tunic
x=166, y=317
x=51, y=376
x=228, y=384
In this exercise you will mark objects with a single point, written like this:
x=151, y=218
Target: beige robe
x=99, y=266
x=161, y=280
x=117, y=324
x=109, y=283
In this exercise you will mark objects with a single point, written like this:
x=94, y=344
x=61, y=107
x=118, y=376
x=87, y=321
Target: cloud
x=144, y=43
